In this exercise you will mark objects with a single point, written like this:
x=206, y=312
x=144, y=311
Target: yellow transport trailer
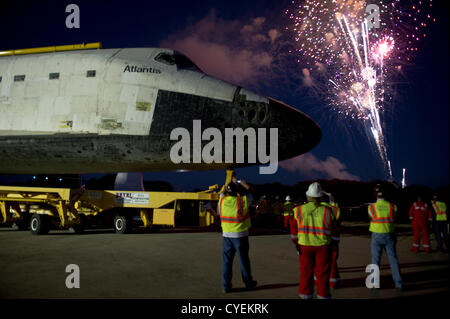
x=41, y=208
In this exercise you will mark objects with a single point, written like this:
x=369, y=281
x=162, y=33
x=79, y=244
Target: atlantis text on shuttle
x=213, y=151
x=135, y=68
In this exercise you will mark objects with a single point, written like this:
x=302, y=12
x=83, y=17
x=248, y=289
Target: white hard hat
x=288, y=198
x=314, y=190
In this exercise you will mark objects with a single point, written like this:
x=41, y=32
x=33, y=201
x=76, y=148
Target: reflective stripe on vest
x=441, y=211
x=298, y=214
x=382, y=220
x=335, y=209
x=314, y=230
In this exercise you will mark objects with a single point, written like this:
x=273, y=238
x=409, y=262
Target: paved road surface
x=184, y=264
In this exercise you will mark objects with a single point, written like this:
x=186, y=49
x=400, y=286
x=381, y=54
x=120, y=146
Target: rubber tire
x=81, y=227
x=123, y=224
x=39, y=224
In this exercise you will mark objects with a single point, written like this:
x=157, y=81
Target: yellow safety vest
x=440, y=209
x=288, y=209
x=314, y=224
x=263, y=207
x=234, y=215
x=382, y=215
x=277, y=208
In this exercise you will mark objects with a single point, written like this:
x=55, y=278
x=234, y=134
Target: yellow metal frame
x=156, y=199
x=68, y=205
x=58, y=198
x=58, y=48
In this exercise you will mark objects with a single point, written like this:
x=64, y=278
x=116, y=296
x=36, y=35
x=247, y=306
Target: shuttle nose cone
x=297, y=132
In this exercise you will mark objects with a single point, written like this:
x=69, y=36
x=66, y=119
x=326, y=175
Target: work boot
x=415, y=249
x=399, y=291
x=334, y=284
x=251, y=285
x=226, y=289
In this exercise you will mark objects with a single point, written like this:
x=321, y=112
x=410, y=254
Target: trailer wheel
x=123, y=224
x=39, y=224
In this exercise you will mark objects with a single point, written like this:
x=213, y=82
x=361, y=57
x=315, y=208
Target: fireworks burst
x=360, y=55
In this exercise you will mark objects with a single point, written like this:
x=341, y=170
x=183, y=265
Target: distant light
x=404, y=178
x=60, y=179
x=34, y=177
x=46, y=178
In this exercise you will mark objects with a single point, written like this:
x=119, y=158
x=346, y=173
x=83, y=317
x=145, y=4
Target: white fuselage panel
x=119, y=98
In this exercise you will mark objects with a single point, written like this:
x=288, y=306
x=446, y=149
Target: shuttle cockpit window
x=166, y=58
x=183, y=62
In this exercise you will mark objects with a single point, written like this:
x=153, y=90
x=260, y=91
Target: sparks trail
x=359, y=60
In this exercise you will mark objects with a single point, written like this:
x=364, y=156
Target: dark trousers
x=230, y=247
x=441, y=227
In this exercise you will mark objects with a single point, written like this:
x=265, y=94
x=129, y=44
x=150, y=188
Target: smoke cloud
x=307, y=79
x=235, y=51
x=310, y=166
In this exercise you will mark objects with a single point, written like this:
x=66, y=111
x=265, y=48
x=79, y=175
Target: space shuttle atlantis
x=82, y=109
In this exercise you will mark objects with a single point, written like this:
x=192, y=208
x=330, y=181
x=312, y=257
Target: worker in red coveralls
x=335, y=238
x=420, y=216
x=290, y=223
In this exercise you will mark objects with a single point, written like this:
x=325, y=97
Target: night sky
x=210, y=33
